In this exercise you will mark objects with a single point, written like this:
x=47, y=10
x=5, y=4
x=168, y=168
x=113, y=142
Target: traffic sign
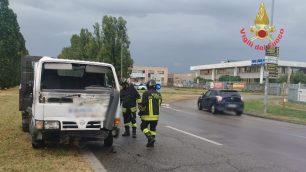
x=271, y=60
x=157, y=86
x=266, y=60
x=258, y=61
x=272, y=69
x=272, y=51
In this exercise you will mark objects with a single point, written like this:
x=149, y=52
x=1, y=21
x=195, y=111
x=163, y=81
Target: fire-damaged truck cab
x=70, y=100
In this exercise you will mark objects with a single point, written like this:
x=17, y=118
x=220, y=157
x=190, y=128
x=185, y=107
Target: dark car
x=217, y=101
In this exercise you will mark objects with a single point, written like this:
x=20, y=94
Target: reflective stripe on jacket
x=151, y=101
x=124, y=110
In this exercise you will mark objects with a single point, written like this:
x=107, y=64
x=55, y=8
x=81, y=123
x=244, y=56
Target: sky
x=171, y=33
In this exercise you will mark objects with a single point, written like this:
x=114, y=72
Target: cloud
x=187, y=32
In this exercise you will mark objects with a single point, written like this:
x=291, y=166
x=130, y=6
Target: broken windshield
x=74, y=76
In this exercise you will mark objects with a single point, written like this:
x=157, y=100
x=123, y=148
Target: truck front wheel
x=36, y=144
x=108, y=142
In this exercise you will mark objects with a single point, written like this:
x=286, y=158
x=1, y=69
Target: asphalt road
x=192, y=140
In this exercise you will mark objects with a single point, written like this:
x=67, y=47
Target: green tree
x=12, y=46
x=282, y=78
x=201, y=80
x=108, y=43
x=228, y=78
x=298, y=77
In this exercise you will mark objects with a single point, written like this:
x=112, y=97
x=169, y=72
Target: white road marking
x=165, y=105
x=93, y=161
x=175, y=109
x=168, y=107
x=303, y=137
x=201, y=138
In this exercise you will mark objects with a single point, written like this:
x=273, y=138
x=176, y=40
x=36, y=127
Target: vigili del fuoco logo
x=261, y=30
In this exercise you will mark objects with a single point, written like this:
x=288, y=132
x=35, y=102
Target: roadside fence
x=295, y=92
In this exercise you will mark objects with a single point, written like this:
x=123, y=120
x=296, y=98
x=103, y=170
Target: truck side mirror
x=29, y=87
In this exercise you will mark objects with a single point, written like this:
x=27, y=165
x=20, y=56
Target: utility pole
x=272, y=12
x=266, y=98
x=121, y=59
x=266, y=92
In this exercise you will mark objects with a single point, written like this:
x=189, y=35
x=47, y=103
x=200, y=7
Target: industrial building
x=247, y=71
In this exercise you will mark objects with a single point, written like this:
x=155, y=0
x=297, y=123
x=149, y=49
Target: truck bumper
x=58, y=135
x=97, y=134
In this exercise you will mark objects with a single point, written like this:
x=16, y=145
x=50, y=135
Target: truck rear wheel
x=108, y=142
x=25, y=122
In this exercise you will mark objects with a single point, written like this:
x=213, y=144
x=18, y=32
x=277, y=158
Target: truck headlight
x=51, y=125
x=39, y=124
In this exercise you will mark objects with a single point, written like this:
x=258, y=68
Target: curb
x=92, y=160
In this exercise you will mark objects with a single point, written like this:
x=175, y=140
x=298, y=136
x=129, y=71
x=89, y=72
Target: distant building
x=244, y=69
x=144, y=73
x=170, y=79
x=181, y=79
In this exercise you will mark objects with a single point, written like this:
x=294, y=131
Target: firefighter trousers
x=144, y=126
x=129, y=118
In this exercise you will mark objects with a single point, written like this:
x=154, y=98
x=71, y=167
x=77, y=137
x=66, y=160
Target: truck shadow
x=73, y=146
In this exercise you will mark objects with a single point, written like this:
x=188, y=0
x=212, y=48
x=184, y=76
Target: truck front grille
x=69, y=124
x=93, y=124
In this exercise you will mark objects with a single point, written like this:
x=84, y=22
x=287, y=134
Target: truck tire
x=36, y=144
x=25, y=122
x=108, y=142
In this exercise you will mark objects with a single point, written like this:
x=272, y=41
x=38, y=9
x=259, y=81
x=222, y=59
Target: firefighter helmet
x=151, y=84
x=123, y=82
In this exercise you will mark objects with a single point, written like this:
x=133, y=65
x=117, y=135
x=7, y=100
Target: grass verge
x=291, y=112
x=175, y=94
x=16, y=153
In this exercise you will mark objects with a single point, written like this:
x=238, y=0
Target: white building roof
x=245, y=63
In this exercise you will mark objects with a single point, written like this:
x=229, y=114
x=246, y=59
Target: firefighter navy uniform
x=149, y=112
x=129, y=97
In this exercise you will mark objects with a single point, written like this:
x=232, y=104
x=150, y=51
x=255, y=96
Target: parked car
x=219, y=100
x=136, y=84
x=142, y=87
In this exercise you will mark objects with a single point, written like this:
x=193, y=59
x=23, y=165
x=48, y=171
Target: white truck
x=64, y=100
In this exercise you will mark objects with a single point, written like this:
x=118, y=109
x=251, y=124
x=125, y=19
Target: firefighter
x=129, y=97
x=149, y=112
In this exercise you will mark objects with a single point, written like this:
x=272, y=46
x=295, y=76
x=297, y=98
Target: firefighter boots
x=134, y=132
x=151, y=140
x=127, y=131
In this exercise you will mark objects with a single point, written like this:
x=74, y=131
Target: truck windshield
x=76, y=76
